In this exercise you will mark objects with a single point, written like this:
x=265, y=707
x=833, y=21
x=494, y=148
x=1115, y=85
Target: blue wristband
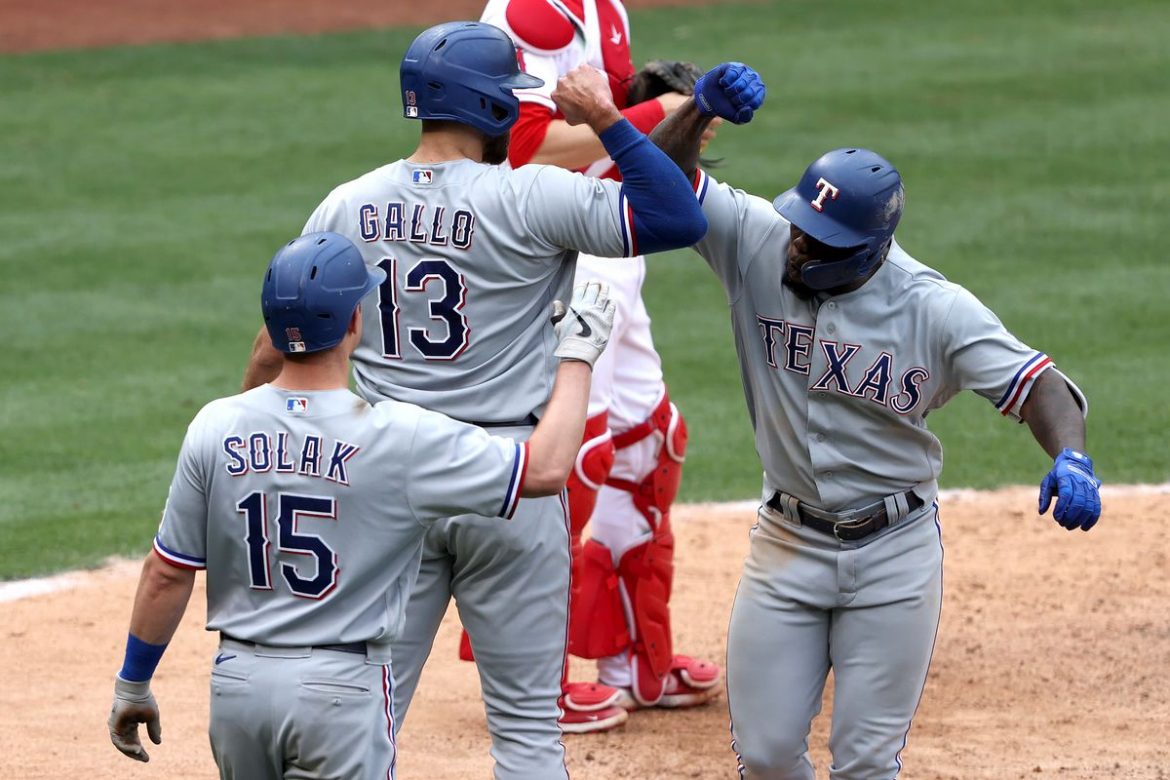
x=141, y=659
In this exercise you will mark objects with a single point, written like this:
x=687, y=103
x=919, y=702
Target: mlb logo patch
x=423, y=176
x=412, y=111
x=297, y=405
x=295, y=344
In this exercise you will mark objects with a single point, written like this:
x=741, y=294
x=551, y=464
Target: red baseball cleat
x=590, y=707
x=689, y=683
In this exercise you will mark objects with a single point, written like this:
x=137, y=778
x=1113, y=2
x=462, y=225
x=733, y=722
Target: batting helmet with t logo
x=847, y=198
x=464, y=72
x=311, y=288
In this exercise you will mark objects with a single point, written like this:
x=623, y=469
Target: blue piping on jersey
x=933, y=642
x=1012, y=385
x=181, y=557
x=513, y=486
x=701, y=182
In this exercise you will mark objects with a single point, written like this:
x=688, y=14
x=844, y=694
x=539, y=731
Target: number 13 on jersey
x=443, y=341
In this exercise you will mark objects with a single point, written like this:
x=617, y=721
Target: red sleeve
x=528, y=133
x=532, y=126
x=646, y=115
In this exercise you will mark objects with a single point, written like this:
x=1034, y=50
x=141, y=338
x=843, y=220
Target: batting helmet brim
x=522, y=81
x=795, y=208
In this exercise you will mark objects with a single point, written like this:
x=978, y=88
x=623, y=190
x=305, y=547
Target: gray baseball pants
x=808, y=603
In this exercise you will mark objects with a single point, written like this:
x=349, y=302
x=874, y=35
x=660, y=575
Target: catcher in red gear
x=630, y=464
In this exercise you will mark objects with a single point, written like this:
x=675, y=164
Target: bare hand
x=583, y=96
x=671, y=101
x=133, y=704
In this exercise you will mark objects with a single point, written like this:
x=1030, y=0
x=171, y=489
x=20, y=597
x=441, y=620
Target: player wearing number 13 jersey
x=473, y=253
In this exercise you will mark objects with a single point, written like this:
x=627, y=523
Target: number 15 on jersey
x=290, y=541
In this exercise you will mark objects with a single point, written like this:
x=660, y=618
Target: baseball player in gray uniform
x=846, y=343
x=307, y=506
x=473, y=253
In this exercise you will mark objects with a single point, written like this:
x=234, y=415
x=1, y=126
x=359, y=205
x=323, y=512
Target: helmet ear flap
x=838, y=273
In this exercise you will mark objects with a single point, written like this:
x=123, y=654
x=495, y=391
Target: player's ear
x=355, y=322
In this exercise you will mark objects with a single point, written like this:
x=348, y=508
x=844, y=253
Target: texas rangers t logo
x=827, y=190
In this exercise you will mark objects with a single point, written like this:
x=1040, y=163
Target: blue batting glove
x=1078, y=504
x=732, y=91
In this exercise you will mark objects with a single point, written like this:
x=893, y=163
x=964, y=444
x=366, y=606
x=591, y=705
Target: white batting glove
x=133, y=704
x=584, y=328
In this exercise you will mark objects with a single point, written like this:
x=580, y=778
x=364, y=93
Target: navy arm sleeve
x=663, y=209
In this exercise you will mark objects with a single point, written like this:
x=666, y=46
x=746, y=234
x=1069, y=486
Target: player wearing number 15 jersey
x=307, y=506
x=473, y=253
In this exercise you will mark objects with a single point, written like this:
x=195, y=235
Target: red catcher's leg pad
x=645, y=572
x=597, y=621
x=465, y=653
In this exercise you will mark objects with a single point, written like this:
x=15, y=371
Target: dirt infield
x=1051, y=662
x=71, y=24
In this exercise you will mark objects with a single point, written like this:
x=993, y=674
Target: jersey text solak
x=263, y=451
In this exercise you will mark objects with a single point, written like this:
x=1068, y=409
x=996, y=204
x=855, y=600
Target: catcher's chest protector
x=600, y=27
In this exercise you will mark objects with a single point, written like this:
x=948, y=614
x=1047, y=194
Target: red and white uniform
x=553, y=37
x=628, y=403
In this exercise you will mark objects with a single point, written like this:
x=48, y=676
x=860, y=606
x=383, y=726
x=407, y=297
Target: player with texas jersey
x=846, y=343
x=474, y=252
x=635, y=439
x=307, y=506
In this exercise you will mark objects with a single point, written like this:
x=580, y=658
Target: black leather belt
x=358, y=648
x=850, y=530
x=528, y=421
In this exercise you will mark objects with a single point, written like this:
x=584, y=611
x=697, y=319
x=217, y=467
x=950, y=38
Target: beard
x=495, y=148
x=799, y=289
x=791, y=279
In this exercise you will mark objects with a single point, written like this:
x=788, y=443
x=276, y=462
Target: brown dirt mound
x=1051, y=662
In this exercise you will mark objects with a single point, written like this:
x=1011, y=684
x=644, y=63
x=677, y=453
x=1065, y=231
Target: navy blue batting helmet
x=465, y=72
x=311, y=289
x=847, y=198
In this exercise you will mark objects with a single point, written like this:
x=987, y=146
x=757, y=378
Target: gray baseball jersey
x=308, y=509
x=474, y=256
x=838, y=388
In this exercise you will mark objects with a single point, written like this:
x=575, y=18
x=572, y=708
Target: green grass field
x=143, y=190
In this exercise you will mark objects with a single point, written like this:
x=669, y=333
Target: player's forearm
x=553, y=446
x=1053, y=415
x=680, y=136
x=163, y=592
x=577, y=146
x=161, y=600
x=569, y=146
x=264, y=363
